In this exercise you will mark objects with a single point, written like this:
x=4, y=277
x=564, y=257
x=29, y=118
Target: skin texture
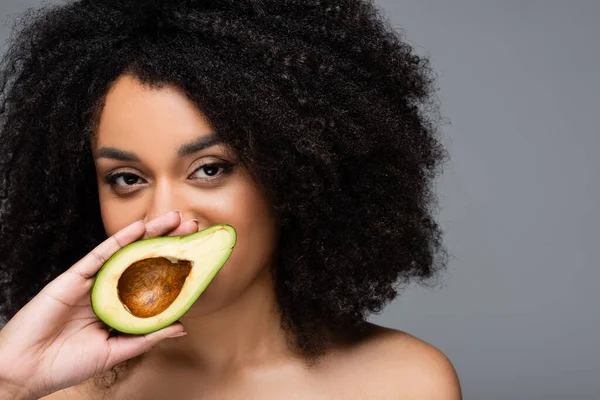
x=235, y=347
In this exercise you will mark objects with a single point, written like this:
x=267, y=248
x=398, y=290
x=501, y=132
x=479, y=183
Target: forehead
x=135, y=114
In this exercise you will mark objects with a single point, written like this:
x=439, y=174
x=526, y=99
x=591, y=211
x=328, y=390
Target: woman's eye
x=123, y=179
x=210, y=171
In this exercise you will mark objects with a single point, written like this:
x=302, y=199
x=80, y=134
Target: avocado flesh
x=151, y=283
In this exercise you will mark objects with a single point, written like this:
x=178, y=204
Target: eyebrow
x=116, y=154
x=185, y=150
x=199, y=144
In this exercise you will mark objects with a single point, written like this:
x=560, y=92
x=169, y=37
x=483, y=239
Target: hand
x=56, y=341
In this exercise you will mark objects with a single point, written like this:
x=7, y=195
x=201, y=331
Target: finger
x=162, y=225
x=91, y=263
x=124, y=347
x=185, y=228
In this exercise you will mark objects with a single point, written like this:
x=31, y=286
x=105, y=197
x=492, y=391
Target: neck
x=245, y=333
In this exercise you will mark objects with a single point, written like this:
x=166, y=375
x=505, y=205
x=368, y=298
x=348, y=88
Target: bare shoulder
x=406, y=366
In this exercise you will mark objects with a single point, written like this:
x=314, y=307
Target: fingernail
x=178, y=334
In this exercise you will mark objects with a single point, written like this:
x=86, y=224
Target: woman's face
x=155, y=152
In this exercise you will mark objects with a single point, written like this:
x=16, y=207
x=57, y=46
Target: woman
x=308, y=126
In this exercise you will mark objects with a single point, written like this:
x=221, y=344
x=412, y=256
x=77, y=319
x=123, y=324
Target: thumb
x=124, y=347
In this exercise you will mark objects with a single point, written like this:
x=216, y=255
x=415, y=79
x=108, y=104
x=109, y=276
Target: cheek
x=245, y=208
x=117, y=214
x=250, y=214
x=256, y=230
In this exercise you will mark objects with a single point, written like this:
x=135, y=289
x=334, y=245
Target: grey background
x=518, y=312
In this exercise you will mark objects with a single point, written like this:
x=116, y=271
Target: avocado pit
x=149, y=286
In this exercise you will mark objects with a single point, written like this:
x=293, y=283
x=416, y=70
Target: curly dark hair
x=330, y=108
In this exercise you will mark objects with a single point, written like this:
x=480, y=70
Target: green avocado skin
x=109, y=309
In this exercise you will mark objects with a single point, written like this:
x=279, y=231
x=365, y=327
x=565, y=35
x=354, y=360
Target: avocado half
x=151, y=283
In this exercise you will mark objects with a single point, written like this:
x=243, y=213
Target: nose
x=163, y=199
